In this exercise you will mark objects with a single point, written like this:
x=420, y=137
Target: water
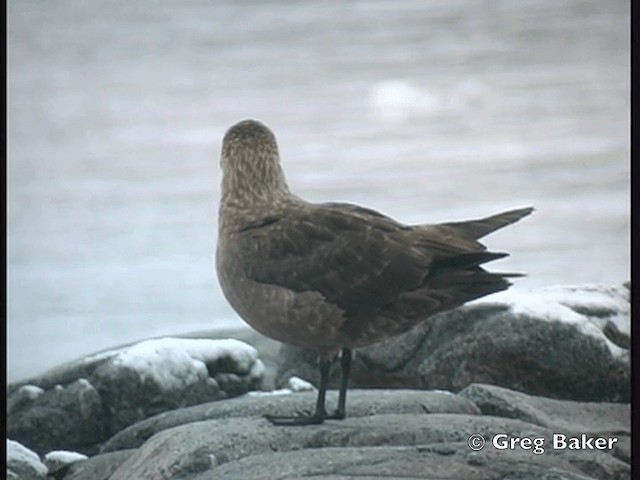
x=427, y=111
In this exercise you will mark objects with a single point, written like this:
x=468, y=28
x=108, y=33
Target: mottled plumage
x=335, y=276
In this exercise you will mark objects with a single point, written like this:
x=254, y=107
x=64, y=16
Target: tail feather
x=466, y=260
x=484, y=226
x=468, y=285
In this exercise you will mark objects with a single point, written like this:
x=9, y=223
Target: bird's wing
x=358, y=259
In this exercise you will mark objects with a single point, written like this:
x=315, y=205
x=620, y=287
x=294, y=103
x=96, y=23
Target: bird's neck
x=254, y=190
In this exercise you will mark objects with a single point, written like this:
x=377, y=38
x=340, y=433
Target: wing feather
x=355, y=259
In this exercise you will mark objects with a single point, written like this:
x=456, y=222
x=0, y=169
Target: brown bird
x=334, y=276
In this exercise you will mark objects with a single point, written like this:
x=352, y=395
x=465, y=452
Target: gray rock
x=575, y=418
x=561, y=415
x=361, y=403
x=69, y=417
x=99, y=467
x=561, y=342
x=124, y=386
x=202, y=446
x=209, y=449
x=23, y=463
x=452, y=461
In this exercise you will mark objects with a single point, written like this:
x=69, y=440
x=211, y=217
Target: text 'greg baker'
x=560, y=441
x=583, y=442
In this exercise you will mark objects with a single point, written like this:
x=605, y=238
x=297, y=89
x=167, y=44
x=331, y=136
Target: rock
x=125, y=385
x=356, y=447
x=361, y=403
x=390, y=433
x=575, y=418
x=160, y=375
x=202, y=446
x=99, y=467
x=451, y=462
x=568, y=416
x=23, y=463
x=69, y=417
x=561, y=342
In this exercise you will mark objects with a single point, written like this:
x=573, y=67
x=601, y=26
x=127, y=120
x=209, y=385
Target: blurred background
x=425, y=110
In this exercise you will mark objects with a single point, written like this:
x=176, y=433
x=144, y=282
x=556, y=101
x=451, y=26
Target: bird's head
x=250, y=163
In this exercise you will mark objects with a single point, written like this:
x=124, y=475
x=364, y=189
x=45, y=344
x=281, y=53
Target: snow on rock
x=32, y=391
x=297, y=384
x=277, y=391
x=595, y=310
x=59, y=459
x=294, y=385
x=162, y=374
x=99, y=395
x=179, y=362
x=23, y=463
x=24, y=395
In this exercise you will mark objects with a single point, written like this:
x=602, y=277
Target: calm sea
x=425, y=110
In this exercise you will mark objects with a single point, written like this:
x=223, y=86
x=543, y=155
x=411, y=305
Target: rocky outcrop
x=389, y=433
x=569, y=343
x=78, y=406
x=452, y=461
x=148, y=410
x=361, y=403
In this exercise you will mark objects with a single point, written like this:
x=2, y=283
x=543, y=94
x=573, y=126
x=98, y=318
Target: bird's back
x=379, y=276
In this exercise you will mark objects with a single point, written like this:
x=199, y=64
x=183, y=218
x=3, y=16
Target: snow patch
x=84, y=383
x=443, y=392
x=297, y=384
x=31, y=391
x=58, y=459
x=19, y=454
x=588, y=307
x=175, y=362
x=279, y=391
x=294, y=385
x=64, y=456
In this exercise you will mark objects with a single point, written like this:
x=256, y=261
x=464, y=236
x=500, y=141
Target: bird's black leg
x=345, y=365
x=320, y=414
